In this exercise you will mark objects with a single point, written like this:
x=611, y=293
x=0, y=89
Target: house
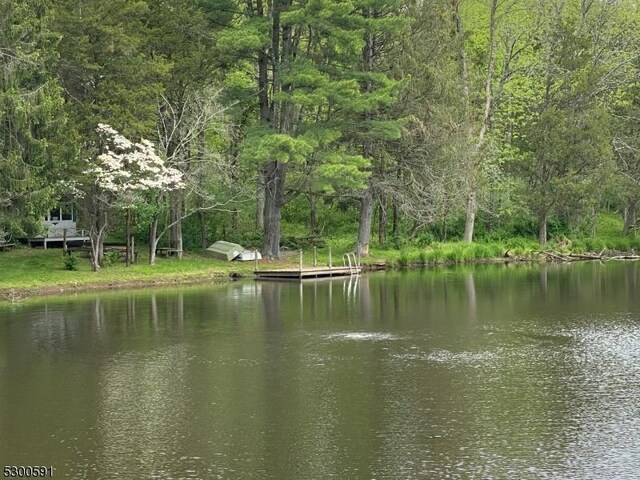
x=61, y=221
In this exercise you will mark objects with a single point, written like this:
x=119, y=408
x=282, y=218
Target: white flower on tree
x=125, y=166
x=123, y=175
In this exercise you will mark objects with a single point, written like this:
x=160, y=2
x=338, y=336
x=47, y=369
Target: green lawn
x=35, y=269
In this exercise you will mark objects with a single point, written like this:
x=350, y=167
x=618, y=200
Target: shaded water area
x=487, y=372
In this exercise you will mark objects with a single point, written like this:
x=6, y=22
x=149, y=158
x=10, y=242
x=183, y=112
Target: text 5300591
x=13, y=471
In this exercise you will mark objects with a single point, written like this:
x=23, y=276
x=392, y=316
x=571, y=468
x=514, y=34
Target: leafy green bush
x=111, y=257
x=71, y=262
x=424, y=238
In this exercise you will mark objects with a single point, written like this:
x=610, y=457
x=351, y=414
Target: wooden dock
x=306, y=272
x=350, y=266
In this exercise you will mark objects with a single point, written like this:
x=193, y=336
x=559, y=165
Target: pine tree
x=315, y=97
x=33, y=138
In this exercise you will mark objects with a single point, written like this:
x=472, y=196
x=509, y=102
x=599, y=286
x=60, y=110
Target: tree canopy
x=298, y=120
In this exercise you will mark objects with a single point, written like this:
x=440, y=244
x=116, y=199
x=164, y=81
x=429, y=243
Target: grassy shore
x=25, y=271
x=35, y=271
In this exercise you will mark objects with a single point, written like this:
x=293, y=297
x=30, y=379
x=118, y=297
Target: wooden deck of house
x=75, y=240
x=306, y=272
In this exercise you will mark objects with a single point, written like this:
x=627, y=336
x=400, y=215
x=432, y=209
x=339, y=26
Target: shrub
x=111, y=257
x=403, y=259
x=424, y=238
x=71, y=262
x=595, y=244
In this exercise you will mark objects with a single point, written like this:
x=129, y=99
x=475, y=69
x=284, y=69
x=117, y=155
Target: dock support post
x=301, y=260
x=315, y=256
x=330, y=263
x=255, y=260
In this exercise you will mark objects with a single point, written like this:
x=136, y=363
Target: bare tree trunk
x=177, y=201
x=275, y=173
x=127, y=232
x=202, y=216
x=266, y=118
x=204, y=241
x=96, y=236
x=153, y=241
x=364, y=229
x=313, y=214
x=630, y=216
x=234, y=152
x=260, y=201
x=382, y=222
x=542, y=228
x=486, y=120
x=97, y=249
x=470, y=217
x=394, y=220
x=366, y=208
x=95, y=264
x=101, y=251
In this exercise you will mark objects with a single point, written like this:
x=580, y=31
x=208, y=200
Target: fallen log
x=586, y=256
x=624, y=257
x=558, y=257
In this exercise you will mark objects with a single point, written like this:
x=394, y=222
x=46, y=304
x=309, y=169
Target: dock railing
x=350, y=266
x=349, y=259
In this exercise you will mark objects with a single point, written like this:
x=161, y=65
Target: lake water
x=470, y=373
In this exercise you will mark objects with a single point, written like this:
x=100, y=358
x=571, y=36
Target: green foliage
x=112, y=257
x=108, y=71
x=71, y=262
x=403, y=259
x=34, y=147
x=401, y=117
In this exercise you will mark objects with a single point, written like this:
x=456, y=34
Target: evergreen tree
x=312, y=90
x=109, y=73
x=33, y=146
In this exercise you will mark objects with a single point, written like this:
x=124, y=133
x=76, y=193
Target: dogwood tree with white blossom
x=125, y=167
x=119, y=176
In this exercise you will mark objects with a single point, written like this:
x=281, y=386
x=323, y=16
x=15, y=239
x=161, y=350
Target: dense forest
x=286, y=122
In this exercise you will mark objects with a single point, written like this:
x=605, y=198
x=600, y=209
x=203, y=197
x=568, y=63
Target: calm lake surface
x=488, y=372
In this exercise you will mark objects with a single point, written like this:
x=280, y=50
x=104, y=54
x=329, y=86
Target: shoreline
x=17, y=294
x=227, y=273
